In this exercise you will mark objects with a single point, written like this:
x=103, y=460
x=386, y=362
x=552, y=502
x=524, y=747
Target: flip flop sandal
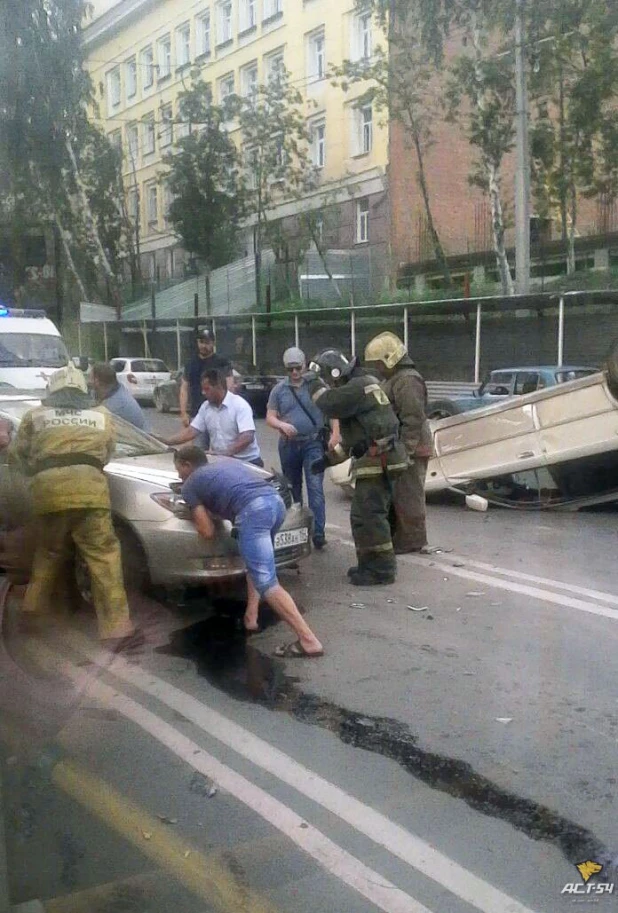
x=295, y=651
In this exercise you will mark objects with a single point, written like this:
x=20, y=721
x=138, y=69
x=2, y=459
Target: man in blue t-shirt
x=233, y=491
x=205, y=359
x=109, y=393
x=300, y=424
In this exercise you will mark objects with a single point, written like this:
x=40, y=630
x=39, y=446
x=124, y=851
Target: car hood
x=157, y=468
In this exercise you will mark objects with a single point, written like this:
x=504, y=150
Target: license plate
x=291, y=537
x=255, y=387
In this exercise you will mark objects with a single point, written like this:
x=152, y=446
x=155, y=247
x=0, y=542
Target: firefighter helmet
x=332, y=366
x=387, y=348
x=69, y=377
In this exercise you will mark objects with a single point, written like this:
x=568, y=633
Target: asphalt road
x=454, y=750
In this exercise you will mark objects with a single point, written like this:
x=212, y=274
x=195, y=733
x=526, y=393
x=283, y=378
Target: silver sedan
x=159, y=542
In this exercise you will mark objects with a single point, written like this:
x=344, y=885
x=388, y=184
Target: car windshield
x=574, y=374
x=27, y=350
x=150, y=364
x=131, y=442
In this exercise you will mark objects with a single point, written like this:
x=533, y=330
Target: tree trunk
x=422, y=183
x=322, y=256
x=492, y=170
x=572, y=228
x=70, y=261
x=88, y=218
x=497, y=226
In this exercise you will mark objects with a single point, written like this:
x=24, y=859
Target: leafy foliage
x=57, y=167
x=208, y=197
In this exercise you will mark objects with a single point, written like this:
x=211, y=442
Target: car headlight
x=172, y=502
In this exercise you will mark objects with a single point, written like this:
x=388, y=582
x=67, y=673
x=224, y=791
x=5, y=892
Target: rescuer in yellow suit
x=63, y=446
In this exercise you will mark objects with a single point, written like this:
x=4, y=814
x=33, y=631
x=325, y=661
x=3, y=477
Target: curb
x=4, y=872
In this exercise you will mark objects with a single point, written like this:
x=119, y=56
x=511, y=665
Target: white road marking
x=531, y=578
x=377, y=827
x=347, y=868
x=534, y=592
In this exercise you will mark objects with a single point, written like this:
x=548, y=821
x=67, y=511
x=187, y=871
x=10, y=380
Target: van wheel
x=160, y=402
x=442, y=409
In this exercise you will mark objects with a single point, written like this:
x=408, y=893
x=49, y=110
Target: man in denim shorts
x=233, y=491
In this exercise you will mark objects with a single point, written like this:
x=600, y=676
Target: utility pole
x=522, y=171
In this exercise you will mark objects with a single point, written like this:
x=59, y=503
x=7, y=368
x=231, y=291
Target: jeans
x=295, y=457
x=257, y=525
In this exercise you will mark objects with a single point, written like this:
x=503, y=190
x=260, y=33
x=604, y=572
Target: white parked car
x=141, y=375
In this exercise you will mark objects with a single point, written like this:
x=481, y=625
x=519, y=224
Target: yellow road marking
x=205, y=875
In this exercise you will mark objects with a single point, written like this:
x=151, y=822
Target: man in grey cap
x=303, y=437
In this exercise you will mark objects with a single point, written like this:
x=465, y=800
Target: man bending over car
x=233, y=491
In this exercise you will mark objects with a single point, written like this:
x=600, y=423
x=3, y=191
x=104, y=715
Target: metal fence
x=450, y=340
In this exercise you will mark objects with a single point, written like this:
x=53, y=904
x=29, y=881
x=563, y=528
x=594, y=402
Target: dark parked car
x=255, y=388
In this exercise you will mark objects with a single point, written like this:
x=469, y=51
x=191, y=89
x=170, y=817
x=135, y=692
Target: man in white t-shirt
x=227, y=419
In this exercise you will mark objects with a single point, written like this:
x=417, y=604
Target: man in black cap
x=191, y=396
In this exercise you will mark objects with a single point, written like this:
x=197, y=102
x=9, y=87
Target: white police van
x=31, y=349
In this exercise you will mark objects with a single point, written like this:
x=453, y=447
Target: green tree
x=400, y=82
x=49, y=152
x=276, y=162
x=203, y=177
x=573, y=86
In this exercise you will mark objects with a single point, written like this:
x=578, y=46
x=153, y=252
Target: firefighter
x=63, y=446
x=370, y=435
x=407, y=393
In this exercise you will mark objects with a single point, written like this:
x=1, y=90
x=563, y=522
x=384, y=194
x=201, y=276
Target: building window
x=225, y=22
x=167, y=202
x=152, y=211
x=318, y=134
x=363, y=45
x=166, y=133
x=226, y=88
x=203, y=35
x=275, y=67
x=148, y=135
x=113, y=89
x=115, y=141
x=169, y=263
x=317, y=56
x=365, y=129
x=164, y=54
x=131, y=77
x=133, y=143
x=147, y=67
x=362, y=221
x=272, y=8
x=133, y=205
x=248, y=14
x=249, y=77
x=183, y=45
x=183, y=128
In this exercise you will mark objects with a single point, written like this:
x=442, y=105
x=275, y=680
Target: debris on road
x=435, y=550
x=417, y=608
x=166, y=820
x=357, y=605
x=146, y=835
x=475, y=593
x=504, y=719
x=459, y=564
x=202, y=785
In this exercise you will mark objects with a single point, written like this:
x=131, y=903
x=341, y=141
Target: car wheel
x=442, y=409
x=160, y=402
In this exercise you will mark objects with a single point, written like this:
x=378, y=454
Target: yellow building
x=140, y=54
